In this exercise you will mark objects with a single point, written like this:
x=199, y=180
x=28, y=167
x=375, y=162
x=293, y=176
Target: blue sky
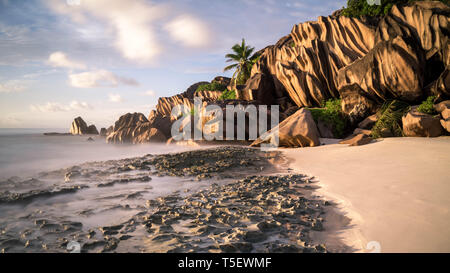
x=103, y=58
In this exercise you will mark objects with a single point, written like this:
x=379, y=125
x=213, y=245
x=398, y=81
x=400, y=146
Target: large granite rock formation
x=125, y=126
x=405, y=55
x=79, y=127
x=298, y=130
x=136, y=128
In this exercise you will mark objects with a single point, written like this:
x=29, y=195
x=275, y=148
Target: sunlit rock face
x=79, y=127
x=404, y=55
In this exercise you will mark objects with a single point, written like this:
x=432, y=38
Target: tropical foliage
x=427, y=106
x=390, y=120
x=243, y=58
x=358, y=8
x=214, y=86
x=228, y=95
x=331, y=114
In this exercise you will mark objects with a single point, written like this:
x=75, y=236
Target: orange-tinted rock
x=79, y=127
x=416, y=124
x=406, y=55
x=357, y=140
x=298, y=130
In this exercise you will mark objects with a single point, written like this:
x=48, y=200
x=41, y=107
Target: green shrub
x=211, y=87
x=228, y=95
x=331, y=114
x=358, y=8
x=426, y=106
x=390, y=119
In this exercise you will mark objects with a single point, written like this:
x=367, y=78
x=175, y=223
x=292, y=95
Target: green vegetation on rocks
x=211, y=87
x=228, y=95
x=426, y=106
x=358, y=8
x=331, y=114
x=389, y=123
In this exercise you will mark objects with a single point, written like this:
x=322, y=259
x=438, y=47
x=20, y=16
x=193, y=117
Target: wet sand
x=224, y=199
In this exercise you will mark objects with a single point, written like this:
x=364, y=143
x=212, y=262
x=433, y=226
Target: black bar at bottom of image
x=207, y=262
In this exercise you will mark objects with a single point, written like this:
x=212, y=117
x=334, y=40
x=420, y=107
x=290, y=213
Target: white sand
x=396, y=192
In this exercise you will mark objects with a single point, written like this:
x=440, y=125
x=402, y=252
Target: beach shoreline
x=392, y=191
x=221, y=199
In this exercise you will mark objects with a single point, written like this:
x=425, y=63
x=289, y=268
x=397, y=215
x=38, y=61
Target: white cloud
x=150, y=93
x=115, y=98
x=189, y=31
x=130, y=19
x=99, y=78
x=59, y=59
x=59, y=107
x=10, y=121
x=12, y=86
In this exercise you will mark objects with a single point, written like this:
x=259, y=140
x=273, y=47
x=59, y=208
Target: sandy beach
x=393, y=191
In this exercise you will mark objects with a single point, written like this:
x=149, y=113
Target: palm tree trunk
x=234, y=83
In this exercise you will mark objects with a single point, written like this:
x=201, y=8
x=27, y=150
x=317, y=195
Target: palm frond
x=232, y=57
x=238, y=49
x=249, y=51
x=230, y=67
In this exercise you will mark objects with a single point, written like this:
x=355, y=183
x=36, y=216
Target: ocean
x=26, y=152
x=55, y=188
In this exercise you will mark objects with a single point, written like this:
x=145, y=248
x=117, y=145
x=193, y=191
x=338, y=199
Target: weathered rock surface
x=416, y=124
x=103, y=132
x=298, y=130
x=79, y=127
x=445, y=114
x=189, y=93
x=324, y=129
x=124, y=128
x=222, y=80
x=357, y=140
x=368, y=122
x=404, y=55
x=92, y=130
x=358, y=131
x=146, y=133
x=442, y=106
x=445, y=123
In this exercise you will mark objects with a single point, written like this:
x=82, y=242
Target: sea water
x=37, y=166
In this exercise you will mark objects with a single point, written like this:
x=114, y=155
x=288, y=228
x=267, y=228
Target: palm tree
x=244, y=61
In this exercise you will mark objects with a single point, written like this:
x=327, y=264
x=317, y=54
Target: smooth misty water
x=25, y=152
x=38, y=165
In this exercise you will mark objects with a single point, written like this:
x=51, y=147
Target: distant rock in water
x=92, y=130
x=79, y=127
x=103, y=132
x=57, y=134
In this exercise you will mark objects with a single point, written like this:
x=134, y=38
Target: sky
x=100, y=59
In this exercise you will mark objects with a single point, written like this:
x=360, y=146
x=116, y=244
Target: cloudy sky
x=103, y=58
